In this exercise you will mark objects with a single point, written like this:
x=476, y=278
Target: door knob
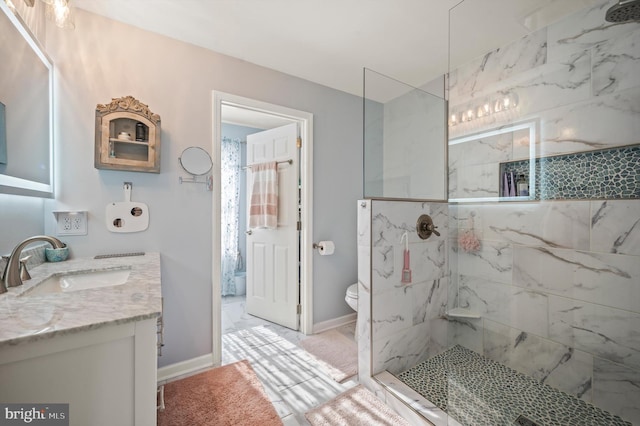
x=249, y=232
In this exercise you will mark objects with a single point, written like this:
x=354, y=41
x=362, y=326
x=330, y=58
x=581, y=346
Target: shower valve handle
x=425, y=227
x=432, y=228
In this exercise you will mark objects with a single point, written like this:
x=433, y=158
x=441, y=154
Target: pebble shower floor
x=477, y=391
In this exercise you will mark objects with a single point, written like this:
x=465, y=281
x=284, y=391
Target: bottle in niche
x=522, y=186
x=140, y=132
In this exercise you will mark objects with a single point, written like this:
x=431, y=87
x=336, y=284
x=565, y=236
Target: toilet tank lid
x=352, y=291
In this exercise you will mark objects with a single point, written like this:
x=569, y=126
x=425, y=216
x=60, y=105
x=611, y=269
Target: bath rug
x=355, y=407
x=336, y=353
x=230, y=395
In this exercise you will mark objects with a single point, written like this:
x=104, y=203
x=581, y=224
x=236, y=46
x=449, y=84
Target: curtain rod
x=228, y=139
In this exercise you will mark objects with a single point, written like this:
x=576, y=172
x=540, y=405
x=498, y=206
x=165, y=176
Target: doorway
x=236, y=117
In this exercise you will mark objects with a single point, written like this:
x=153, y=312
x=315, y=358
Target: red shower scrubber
x=468, y=241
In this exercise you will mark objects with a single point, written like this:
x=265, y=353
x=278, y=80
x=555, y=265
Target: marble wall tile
x=429, y=300
x=556, y=85
x=383, y=269
x=607, y=279
x=395, y=217
x=615, y=226
x=557, y=224
x=466, y=332
x=616, y=388
x=492, y=262
x=616, y=63
x=401, y=351
x=575, y=260
x=363, y=324
x=392, y=311
x=440, y=214
x=598, y=123
x=364, y=266
x=363, y=321
x=581, y=31
x=428, y=259
x=481, y=180
x=554, y=364
x=404, y=316
x=600, y=330
x=438, y=336
x=552, y=86
x=524, y=310
x=522, y=55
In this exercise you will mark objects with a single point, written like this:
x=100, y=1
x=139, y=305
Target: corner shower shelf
x=462, y=313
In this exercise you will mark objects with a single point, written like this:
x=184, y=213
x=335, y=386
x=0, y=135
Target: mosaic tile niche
x=611, y=173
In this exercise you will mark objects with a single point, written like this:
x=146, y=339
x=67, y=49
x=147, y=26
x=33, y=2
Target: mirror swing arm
x=196, y=162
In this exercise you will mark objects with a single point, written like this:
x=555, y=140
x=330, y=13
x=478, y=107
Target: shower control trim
x=425, y=227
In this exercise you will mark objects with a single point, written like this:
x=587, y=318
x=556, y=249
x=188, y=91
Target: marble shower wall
x=408, y=324
x=577, y=82
x=558, y=282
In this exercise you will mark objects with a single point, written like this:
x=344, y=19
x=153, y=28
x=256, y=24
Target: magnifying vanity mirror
x=26, y=125
x=197, y=162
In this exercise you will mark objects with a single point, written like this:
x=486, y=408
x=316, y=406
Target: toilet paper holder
x=324, y=247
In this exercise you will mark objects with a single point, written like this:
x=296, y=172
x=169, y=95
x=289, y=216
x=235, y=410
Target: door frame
x=305, y=120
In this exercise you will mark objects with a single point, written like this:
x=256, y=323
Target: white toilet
x=352, y=296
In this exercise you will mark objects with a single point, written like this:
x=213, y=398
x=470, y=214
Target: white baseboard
x=171, y=371
x=333, y=323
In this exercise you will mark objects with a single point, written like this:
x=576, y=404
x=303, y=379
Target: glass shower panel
x=540, y=295
x=404, y=140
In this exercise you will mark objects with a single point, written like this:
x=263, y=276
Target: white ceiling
x=324, y=41
x=330, y=41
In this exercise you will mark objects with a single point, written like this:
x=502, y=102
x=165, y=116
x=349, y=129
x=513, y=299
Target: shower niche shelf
x=127, y=136
x=605, y=173
x=462, y=313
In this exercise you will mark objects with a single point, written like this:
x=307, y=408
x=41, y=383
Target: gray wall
x=20, y=217
x=103, y=59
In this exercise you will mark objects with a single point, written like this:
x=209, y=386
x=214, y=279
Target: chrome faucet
x=11, y=276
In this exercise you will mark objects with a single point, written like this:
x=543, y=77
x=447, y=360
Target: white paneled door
x=272, y=254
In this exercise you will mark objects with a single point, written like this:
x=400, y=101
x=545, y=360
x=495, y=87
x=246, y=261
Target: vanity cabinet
x=127, y=136
x=107, y=375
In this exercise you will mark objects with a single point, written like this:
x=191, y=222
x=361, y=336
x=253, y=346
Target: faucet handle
x=24, y=274
x=6, y=266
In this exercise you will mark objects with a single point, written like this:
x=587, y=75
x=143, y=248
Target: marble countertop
x=26, y=318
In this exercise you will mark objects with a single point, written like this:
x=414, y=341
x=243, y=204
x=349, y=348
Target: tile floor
x=292, y=378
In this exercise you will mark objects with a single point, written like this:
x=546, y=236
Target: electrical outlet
x=71, y=223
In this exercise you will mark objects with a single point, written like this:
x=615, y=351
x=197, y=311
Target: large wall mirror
x=26, y=125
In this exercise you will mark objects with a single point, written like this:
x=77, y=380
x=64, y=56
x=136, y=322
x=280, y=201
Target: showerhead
x=624, y=11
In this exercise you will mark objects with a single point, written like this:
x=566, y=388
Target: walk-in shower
x=525, y=309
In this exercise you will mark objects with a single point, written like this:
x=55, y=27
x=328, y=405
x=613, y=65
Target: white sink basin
x=63, y=283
